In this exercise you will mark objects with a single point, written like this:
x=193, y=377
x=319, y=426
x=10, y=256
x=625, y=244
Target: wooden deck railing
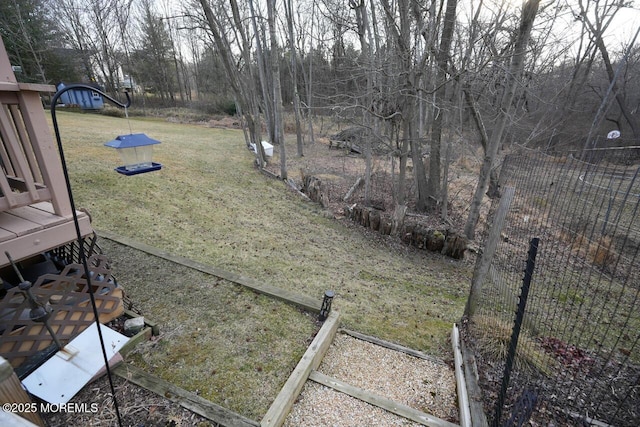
x=35, y=211
x=28, y=156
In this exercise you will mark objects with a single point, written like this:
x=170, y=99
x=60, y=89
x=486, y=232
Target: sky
x=619, y=33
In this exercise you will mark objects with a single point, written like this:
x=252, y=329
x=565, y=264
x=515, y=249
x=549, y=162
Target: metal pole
x=511, y=353
x=83, y=257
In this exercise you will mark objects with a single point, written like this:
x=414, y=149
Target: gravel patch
x=424, y=385
x=322, y=406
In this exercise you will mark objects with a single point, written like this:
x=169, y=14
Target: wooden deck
x=36, y=228
x=35, y=211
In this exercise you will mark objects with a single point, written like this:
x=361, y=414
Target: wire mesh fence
x=577, y=359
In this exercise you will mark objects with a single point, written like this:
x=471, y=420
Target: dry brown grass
x=493, y=338
x=600, y=253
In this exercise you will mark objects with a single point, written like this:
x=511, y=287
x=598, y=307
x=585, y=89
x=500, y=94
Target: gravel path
x=421, y=384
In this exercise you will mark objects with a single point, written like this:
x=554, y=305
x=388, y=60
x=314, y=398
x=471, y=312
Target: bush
x=219, y=106
x=228, y=107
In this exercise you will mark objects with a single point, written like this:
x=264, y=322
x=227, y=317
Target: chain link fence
x=566, y=350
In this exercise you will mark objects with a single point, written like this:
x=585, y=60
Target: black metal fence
x=577, y=327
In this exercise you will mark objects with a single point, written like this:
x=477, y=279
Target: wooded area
x=416, y=76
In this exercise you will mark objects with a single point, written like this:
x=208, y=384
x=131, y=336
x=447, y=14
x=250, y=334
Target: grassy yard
x=210, y=204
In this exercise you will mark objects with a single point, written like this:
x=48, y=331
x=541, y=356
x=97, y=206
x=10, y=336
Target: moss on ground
x=217, y=338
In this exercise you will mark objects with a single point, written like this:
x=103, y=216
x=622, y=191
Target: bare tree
x=277, y=91
x=529, y=12
x=294, y=73
x=241, y=81
x=602, y=18
x=443, y=70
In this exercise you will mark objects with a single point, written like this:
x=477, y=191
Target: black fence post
x=524, y=294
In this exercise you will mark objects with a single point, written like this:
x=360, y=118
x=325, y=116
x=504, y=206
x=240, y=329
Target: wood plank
x=4, y=155
x=48, y=208
x=45, y=150
x=13, y=145
x=16, y=116
x=17, y=225
x=393, y=346
x=44, y=206
x=311, y=359
x=482, y=267
x=13, y=199
x=381, y=402
x=474, y=392
x=303, y=301
x=6, y=235
x=17, y=200
x=184, y=398
x=8, y=196
x=8, y=86
x=461, y=385
x=38, y=216
x=6, y=72
x=43, y=240
x=37, y=87
x=143, y=335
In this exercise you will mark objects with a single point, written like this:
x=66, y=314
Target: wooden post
x=482, y=268
x=6, y=72
x=11, y=391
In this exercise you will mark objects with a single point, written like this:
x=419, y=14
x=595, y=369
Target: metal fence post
x=526, y=283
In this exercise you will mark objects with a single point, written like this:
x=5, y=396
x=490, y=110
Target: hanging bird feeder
x=136, y=151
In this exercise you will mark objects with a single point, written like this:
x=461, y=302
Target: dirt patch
x=137, y=407
x=340, y=168
x=224, y=122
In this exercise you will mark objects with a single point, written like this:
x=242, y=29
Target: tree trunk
x=442, y=60
x=277, y=92
x=294, y=75
x=599, y=42
x=262, y=72
x=529, y=11
x=242, y=89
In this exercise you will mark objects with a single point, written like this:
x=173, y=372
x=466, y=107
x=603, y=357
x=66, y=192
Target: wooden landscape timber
x=474, y=392
x=381, y=402
x=302, y=301
x=305, y=369
x=461, y=386
x=184, y=398
x=310, y=361
x=393, y=346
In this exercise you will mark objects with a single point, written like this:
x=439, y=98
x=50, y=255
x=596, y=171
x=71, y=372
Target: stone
x=133, y=326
